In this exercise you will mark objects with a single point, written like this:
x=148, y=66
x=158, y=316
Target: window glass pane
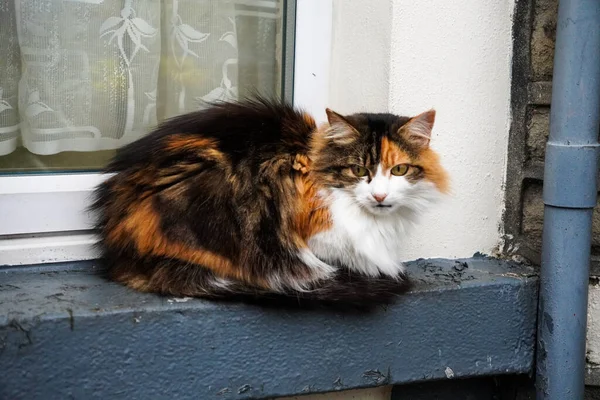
x=81, y=78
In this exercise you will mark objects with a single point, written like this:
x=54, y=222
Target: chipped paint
x=180, y=299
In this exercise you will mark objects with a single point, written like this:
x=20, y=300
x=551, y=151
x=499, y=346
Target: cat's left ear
x=417, y=130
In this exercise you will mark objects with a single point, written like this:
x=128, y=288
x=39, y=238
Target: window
x=81, y=78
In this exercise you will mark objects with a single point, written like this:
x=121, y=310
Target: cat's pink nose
x=380, y=197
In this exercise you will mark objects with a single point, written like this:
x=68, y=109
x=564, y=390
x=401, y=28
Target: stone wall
x=530, y=131
x=534, y=39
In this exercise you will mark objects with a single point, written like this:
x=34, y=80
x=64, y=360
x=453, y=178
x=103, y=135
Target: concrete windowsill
x=65, y=332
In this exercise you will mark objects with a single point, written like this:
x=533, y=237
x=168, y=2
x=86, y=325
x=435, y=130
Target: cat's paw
x=313, y=271
x=401, y=268
x=392, y=269
x=320, y=269
x=400, y=272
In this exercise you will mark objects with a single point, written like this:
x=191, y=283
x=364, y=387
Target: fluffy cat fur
x=251, y=200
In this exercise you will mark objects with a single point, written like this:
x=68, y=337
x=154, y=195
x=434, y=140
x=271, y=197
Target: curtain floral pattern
x=87, y=75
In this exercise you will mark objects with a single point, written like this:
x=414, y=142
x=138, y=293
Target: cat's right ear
x=417, y=130
x=340, y=130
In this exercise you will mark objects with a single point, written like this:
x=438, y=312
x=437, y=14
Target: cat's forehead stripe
x=392, y=154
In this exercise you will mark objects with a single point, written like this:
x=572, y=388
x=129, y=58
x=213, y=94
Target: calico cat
x=251, y=200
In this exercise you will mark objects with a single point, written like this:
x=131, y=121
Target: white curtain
x=87, y=75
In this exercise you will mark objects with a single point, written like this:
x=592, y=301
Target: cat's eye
x=400, y=169
x=359, y=170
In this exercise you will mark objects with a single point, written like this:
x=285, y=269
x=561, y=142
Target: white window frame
x=43, y=218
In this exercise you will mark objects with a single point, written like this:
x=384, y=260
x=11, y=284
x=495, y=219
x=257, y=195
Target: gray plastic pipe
x=570, y=174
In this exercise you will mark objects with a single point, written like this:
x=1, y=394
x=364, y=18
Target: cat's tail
x=345, y=291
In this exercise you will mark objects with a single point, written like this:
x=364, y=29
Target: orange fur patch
x=189, y=142
x=203, y=147
x=318, y=141
x=434, y=172
x=428, y=159
x=301, y=163
x=142, y=226
x=308, y=119
x=392, y=155
x=312, y=215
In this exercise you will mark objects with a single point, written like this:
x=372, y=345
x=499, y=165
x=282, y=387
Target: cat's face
x=381, y=162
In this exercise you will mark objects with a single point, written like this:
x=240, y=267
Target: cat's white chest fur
x=364, y=242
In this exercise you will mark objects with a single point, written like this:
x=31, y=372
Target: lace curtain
x=87, y=75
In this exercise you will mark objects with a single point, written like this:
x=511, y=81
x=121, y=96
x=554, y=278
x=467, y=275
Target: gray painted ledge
x=67, y=333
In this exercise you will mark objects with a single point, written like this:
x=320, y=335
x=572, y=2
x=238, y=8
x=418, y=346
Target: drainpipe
x=570, y=191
